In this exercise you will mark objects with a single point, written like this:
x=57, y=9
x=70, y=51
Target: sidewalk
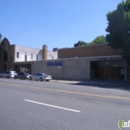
x=101, y=83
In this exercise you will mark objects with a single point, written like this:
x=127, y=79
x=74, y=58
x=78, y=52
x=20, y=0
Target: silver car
x=8, y=74
x=40, y=77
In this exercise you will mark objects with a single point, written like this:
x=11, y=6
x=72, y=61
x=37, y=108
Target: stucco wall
x=52, y=55
x=37, y=54
x=27, y=51
x=72, y=68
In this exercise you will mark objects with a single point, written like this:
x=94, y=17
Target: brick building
x=105, y=62
x=87, y=51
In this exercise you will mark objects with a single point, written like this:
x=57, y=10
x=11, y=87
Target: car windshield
x=43, y=74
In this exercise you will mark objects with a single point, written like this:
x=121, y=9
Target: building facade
x=81, y=63
x=11, y=54
x=85, y=68
x=6, y=55
x=107, y=66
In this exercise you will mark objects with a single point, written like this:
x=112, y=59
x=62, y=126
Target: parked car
x=22, y=75
x=41, y=77
x=8, y=74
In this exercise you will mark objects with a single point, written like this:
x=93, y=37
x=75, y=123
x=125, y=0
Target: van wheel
x=30, y=78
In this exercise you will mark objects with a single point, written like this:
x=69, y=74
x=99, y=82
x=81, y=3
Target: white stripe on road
x=40, y=103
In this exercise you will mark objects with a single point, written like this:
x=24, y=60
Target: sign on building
x=56, y=63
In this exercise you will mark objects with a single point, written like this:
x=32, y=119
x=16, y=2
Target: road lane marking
x=49, y=105
x=71, y=92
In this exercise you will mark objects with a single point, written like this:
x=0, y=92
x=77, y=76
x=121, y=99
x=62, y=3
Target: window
x=25, y=57
x=31, y=56
x=17, y=54
x=39, y=74
x=37, y=57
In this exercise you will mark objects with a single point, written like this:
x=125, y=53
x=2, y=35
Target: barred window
x=37, y=57
x=31, y=56
x=17, y=54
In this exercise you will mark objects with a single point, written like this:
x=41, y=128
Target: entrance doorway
x=5, y=67
x=22, y=68
x=5, y=60
x=5, y=56
x=107, y=69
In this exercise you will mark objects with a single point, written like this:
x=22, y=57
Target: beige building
x=81, y=68
x=81, y=63
x=11, y=54
x=84, y=63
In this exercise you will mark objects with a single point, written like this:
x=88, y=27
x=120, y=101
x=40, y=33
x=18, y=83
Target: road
x=35, y=105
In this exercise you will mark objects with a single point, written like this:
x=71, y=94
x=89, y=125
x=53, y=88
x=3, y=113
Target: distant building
x=10, y=54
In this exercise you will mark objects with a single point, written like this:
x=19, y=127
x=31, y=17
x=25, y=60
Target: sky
x=56, y=23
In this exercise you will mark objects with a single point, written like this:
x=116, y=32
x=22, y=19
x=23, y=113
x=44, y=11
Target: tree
x=80, y=43
x=119, y=28
x=0, y=37
x=99, y=40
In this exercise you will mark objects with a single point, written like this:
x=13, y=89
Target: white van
x=8, y=74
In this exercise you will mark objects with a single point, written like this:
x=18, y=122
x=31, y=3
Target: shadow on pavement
x=109, y=84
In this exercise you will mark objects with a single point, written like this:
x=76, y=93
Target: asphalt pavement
x=35, y=105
